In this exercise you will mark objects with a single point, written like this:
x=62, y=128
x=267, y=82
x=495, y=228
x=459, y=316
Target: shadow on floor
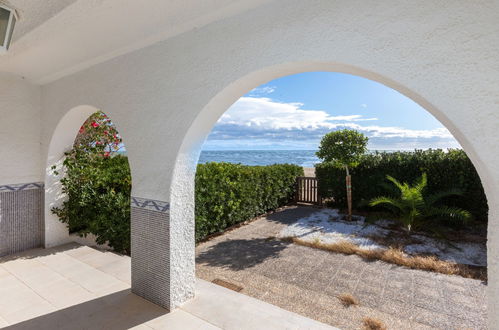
x=120, y=310
x=42, y=252
x=292, y=214
x=240, y=254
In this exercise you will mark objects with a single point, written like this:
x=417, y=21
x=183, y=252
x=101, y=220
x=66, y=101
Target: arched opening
x=88, y=183
x=189, y=153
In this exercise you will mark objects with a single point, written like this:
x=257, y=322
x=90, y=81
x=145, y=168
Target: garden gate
x=307, y=190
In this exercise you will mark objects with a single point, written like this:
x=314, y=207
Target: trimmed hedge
x=227, y=194
x=445, y=170
x=99, y=188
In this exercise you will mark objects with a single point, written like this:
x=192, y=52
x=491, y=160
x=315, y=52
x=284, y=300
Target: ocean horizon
x=304, y=158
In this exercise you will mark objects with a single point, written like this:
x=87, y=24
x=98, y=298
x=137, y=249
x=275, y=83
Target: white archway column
x=162, y=246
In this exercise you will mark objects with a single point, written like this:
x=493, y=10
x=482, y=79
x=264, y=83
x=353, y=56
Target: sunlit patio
x=78, y=287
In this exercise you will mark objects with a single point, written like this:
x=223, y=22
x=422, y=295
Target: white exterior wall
x=19, y=131
x=166, y=97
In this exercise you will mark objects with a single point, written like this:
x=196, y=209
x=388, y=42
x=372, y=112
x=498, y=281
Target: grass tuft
x=398, y=257
x=348, y=300
x=373, y=324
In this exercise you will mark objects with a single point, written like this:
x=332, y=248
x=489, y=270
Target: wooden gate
x=307, y=190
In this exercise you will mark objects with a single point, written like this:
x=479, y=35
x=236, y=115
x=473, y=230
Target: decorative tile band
x=150, y=204
x=21, y=219
x=21, y=186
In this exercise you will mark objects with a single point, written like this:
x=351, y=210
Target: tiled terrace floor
x=77, y=287
x=307, y=281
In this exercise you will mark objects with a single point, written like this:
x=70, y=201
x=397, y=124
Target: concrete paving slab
x=289, y=276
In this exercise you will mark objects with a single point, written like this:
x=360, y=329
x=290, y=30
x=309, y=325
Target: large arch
x=182, y=182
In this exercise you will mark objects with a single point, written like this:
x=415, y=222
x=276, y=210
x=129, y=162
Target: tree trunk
x=348, y=180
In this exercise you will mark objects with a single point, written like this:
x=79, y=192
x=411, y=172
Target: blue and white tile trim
x=150, y=204
x=21, y=186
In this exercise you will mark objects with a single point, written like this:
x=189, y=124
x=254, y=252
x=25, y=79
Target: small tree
x=343, y=149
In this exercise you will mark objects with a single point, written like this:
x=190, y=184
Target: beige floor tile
x=121, y=269
x=16, y=296
x=94, y=257
x=79, y=251
x=3, y=322
x=231, y=311
x=141, y=327
x=3, y=272
x=83, y=274
x=64, y=293
x=180, y=320
x=32, y=311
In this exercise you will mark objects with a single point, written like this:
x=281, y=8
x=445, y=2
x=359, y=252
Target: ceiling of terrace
x=33, y=13
x=55, y=38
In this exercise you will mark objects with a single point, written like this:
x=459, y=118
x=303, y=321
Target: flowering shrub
x=97, y=184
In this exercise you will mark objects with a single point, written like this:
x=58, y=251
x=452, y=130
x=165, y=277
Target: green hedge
x=98, y=202
x=227, y=194
x=444, y=170
x=99, y=196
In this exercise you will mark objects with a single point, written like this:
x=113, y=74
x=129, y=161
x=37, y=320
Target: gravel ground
x=307, y=281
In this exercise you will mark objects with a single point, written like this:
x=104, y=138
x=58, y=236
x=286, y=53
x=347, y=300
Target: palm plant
x=413, y=208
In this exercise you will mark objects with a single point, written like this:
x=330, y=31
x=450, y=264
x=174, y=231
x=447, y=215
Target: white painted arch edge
x=182, y=183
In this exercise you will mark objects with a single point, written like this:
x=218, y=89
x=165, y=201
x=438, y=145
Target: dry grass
x=348, y=300
x=373, y=324
x=397, y=257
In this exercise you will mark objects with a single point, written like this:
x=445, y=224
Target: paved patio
x=78, y=287
x=306, y=281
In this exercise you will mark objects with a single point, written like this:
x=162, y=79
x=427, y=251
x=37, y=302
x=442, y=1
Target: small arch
x=63, y=139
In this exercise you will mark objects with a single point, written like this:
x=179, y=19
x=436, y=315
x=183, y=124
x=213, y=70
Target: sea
x=304, y=158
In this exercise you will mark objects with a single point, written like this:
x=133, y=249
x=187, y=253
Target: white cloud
x=262, y=90
x=264, y=118
x=268, y=114
x=351, y=118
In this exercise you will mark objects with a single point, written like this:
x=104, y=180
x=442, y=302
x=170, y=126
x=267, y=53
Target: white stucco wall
x=19, y=131
x=165, y=98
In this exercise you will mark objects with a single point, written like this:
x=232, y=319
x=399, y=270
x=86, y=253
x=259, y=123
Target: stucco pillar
x=21, y=186
x=150, y=248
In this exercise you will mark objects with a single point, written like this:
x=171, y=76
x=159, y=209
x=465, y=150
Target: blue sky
x=294, y=112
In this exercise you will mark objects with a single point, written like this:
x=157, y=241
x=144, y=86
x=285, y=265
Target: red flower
x=95, y=125
x=106, y=154
x=98, y=143
x=106, y=132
